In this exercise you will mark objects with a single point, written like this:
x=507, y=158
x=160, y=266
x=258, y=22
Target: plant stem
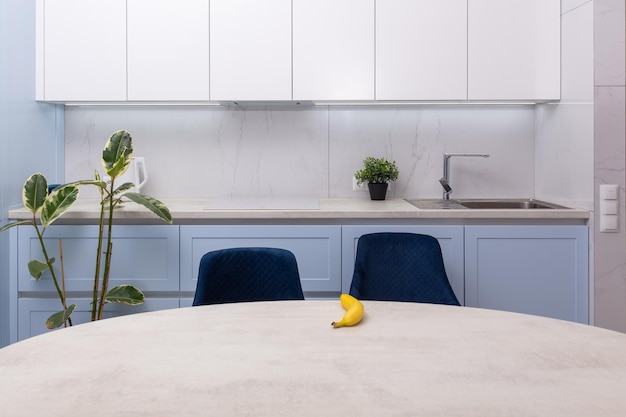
x=96, y=279
x=50, y=267
x=63, y=277
x=107, y=261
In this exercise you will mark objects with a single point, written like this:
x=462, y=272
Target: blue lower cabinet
x=540, y=270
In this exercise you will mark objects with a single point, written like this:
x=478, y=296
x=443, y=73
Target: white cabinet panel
x=514, y=49
x=541, y=270
x=317, y=250
x=168, y=50
x=333, y=49
x=450, y=239
x=84, y=54
x=421, y=49
x=250, y=50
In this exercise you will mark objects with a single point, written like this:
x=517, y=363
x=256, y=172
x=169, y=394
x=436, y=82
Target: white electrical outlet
x=358, y=187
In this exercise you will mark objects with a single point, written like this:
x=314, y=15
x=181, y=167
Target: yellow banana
x=354, y=311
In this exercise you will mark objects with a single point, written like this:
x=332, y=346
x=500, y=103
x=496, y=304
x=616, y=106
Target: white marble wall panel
x=610, y=248
x=564, y=154
x=208, y=152
x=416, y=139
x=569, y=5
x=610, y=54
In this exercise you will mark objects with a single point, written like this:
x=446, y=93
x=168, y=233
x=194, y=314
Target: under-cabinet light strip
x=142, y=103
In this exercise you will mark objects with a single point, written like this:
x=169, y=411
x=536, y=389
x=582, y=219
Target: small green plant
x=50, y=205
x=377, y=171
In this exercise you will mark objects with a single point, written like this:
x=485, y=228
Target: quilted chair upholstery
x=247, y=274
x=401, y=267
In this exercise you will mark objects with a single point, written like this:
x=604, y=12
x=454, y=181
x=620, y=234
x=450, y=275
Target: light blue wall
x=31, y=133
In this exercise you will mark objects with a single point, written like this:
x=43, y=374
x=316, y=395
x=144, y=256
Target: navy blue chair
x=247, y=274
x=401, y=267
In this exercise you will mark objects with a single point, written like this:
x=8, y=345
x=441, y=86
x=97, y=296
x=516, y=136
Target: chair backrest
x=401, y=267
x=247, y=274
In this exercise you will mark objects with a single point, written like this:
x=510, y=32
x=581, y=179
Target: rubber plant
x=51, y=205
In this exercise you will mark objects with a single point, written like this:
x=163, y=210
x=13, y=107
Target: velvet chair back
x=247, y=274
x=401, y=267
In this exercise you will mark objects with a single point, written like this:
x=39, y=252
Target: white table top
x=284, y=359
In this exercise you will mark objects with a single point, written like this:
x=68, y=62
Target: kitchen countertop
x=196, y=211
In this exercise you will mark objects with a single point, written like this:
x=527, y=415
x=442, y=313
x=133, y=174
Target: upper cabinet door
x=84, y=55
x=514, y=49
x=333, y=49
x=168, y=50
x=250, y=50
x=421, y=49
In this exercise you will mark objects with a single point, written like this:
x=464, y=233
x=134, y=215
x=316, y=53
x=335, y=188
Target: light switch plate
x=608, y=223
x=608, y=207
x=608, y=191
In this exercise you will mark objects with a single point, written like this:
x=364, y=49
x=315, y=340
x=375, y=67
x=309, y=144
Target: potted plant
x=377, y=172
x=47, y=205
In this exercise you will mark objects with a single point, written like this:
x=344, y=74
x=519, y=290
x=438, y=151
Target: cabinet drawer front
x=143, y=256
x=317, y=250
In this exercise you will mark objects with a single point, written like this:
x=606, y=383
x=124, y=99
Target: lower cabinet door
x=541, y=270
x=450, y=239
x=33, y=312
x=317, y=250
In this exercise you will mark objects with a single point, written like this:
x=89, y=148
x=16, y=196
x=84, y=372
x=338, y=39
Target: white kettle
x=136, y=173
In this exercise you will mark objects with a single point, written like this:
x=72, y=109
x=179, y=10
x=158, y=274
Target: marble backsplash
x=201, y=152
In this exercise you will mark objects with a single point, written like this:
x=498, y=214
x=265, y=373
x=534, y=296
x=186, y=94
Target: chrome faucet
x=445, y=180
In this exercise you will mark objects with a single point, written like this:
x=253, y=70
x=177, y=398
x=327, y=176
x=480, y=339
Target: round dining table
x=283, y=358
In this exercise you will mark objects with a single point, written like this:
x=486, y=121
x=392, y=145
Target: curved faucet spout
x=445, y=180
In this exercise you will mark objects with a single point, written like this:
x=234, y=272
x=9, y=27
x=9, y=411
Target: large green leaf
x=34, y=192
x=36, y=268
x=124, y=187
x=124, y=294
x=57, y=203
x=151, y=204
x=10, y=225
x=57, y=319
x=117, y=153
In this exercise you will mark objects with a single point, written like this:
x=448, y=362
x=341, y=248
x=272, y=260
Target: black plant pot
x=378, y=191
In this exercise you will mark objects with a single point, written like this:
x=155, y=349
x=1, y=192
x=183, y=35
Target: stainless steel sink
x=485, y=204
x=508, y=204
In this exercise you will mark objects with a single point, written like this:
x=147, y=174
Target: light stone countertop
x=201, y=210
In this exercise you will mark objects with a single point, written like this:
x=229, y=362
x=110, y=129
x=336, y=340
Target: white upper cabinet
x=301, y=50
x=421, y=49
x=514, y=49
x=250, y=50
x=168, y=50
x=333, y=50
x=84, y=50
